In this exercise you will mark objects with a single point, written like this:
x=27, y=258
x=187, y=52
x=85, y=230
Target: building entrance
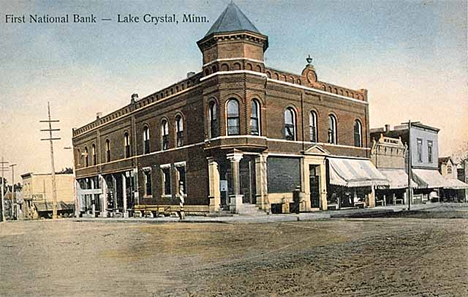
x=314, y=182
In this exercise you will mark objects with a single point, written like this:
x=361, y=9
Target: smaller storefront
x=430, y=182
x=395, y=193
x=454, y=190
x=352, y=182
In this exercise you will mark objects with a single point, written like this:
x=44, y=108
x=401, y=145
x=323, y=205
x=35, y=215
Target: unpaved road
x=423, y=255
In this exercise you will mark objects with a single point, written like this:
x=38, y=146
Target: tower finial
x=309, y=60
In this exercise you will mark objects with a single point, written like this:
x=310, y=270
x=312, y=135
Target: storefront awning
x=398, y=178
x=355, y=173
x=455, y=184
x=429, y=178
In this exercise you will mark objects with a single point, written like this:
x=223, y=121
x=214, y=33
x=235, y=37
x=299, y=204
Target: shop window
x=93, y=153
x=181, y=180
x=146, y=140
x=289, y=124
x=233, y=117
x=108, y=151
x=165, y=135
x=148, y=186
x=86, y=157
x=313, y=126
x=429, y=151
x=179, y=131
x=255, y=118
x=213, y=116
x=166, y=181
x=419, y=149
x=332, y=129
x=357, y=133
x=127, y=145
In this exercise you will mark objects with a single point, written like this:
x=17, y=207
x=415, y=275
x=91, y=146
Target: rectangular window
x=148, y=188
x=429, y=151
x=419, y=149
x=166, y=180
x=147, y=146
x=284, y=174
x=182, y=184
x=165, y=142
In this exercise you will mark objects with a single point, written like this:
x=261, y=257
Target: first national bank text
x=91, y=18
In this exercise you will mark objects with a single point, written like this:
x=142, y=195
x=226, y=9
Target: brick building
x=237, y=135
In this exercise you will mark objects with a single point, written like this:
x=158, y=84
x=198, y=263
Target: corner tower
x=232, y=37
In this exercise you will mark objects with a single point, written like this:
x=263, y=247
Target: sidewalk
x=311, y=216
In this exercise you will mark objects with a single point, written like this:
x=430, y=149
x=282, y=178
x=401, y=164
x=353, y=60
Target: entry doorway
x=247, y=179
x=314, y=182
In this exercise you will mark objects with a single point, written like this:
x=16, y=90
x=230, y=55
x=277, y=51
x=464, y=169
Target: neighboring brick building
x=237, y=135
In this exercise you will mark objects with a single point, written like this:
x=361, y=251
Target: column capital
x=234, y=157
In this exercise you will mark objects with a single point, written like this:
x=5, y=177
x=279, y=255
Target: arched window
x=108, y=151
x=233, y=117
x=213, y=116
x=289, y=124
x=332, y=129
x=86, y=157
x=357, y=133
x=313, y=127
x=79, y=157
x=255, y=118
x=146, y=140
x=179, y=131
x=165, y=135
x=127, y=145
x=93, y=153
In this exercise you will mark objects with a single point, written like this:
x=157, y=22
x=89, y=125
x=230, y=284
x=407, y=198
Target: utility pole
x=13, y=197
x=3, y=168
x=75, y=195
x=410, y=174
x=51, y=140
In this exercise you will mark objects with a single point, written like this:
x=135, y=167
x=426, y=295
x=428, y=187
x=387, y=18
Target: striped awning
x=397, y=178
x=455, y=184
x=429, y=178
x=355, y=173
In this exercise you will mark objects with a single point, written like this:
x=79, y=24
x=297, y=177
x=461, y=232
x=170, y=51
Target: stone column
x=114, y=193
x=93, y=201
x=103, y=197
x=124, y=193
x=236, y=197
x=261, y=182
x=213, y=179
x=323, y=186
x=78, y=199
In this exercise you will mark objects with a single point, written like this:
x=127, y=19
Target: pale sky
x=410, y=55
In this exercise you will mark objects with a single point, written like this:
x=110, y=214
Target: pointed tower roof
x=232, y=19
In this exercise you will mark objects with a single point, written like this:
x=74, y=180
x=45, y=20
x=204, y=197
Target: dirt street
x=423, y=255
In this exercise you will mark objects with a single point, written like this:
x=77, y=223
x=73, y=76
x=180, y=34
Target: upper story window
x=289, y=124
x=430, y=145
x=313, y=126
x=357, y=133
x=165, y=135
x=332, y=133
x=255, y=118
x=419, y=149
x=93, y=153
x=213, y=116
x=146, y=140
x=108, y=151
x=233, y=117
x=179, y=131
x=127, y=145
x=86, y=157
x=79, y=157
